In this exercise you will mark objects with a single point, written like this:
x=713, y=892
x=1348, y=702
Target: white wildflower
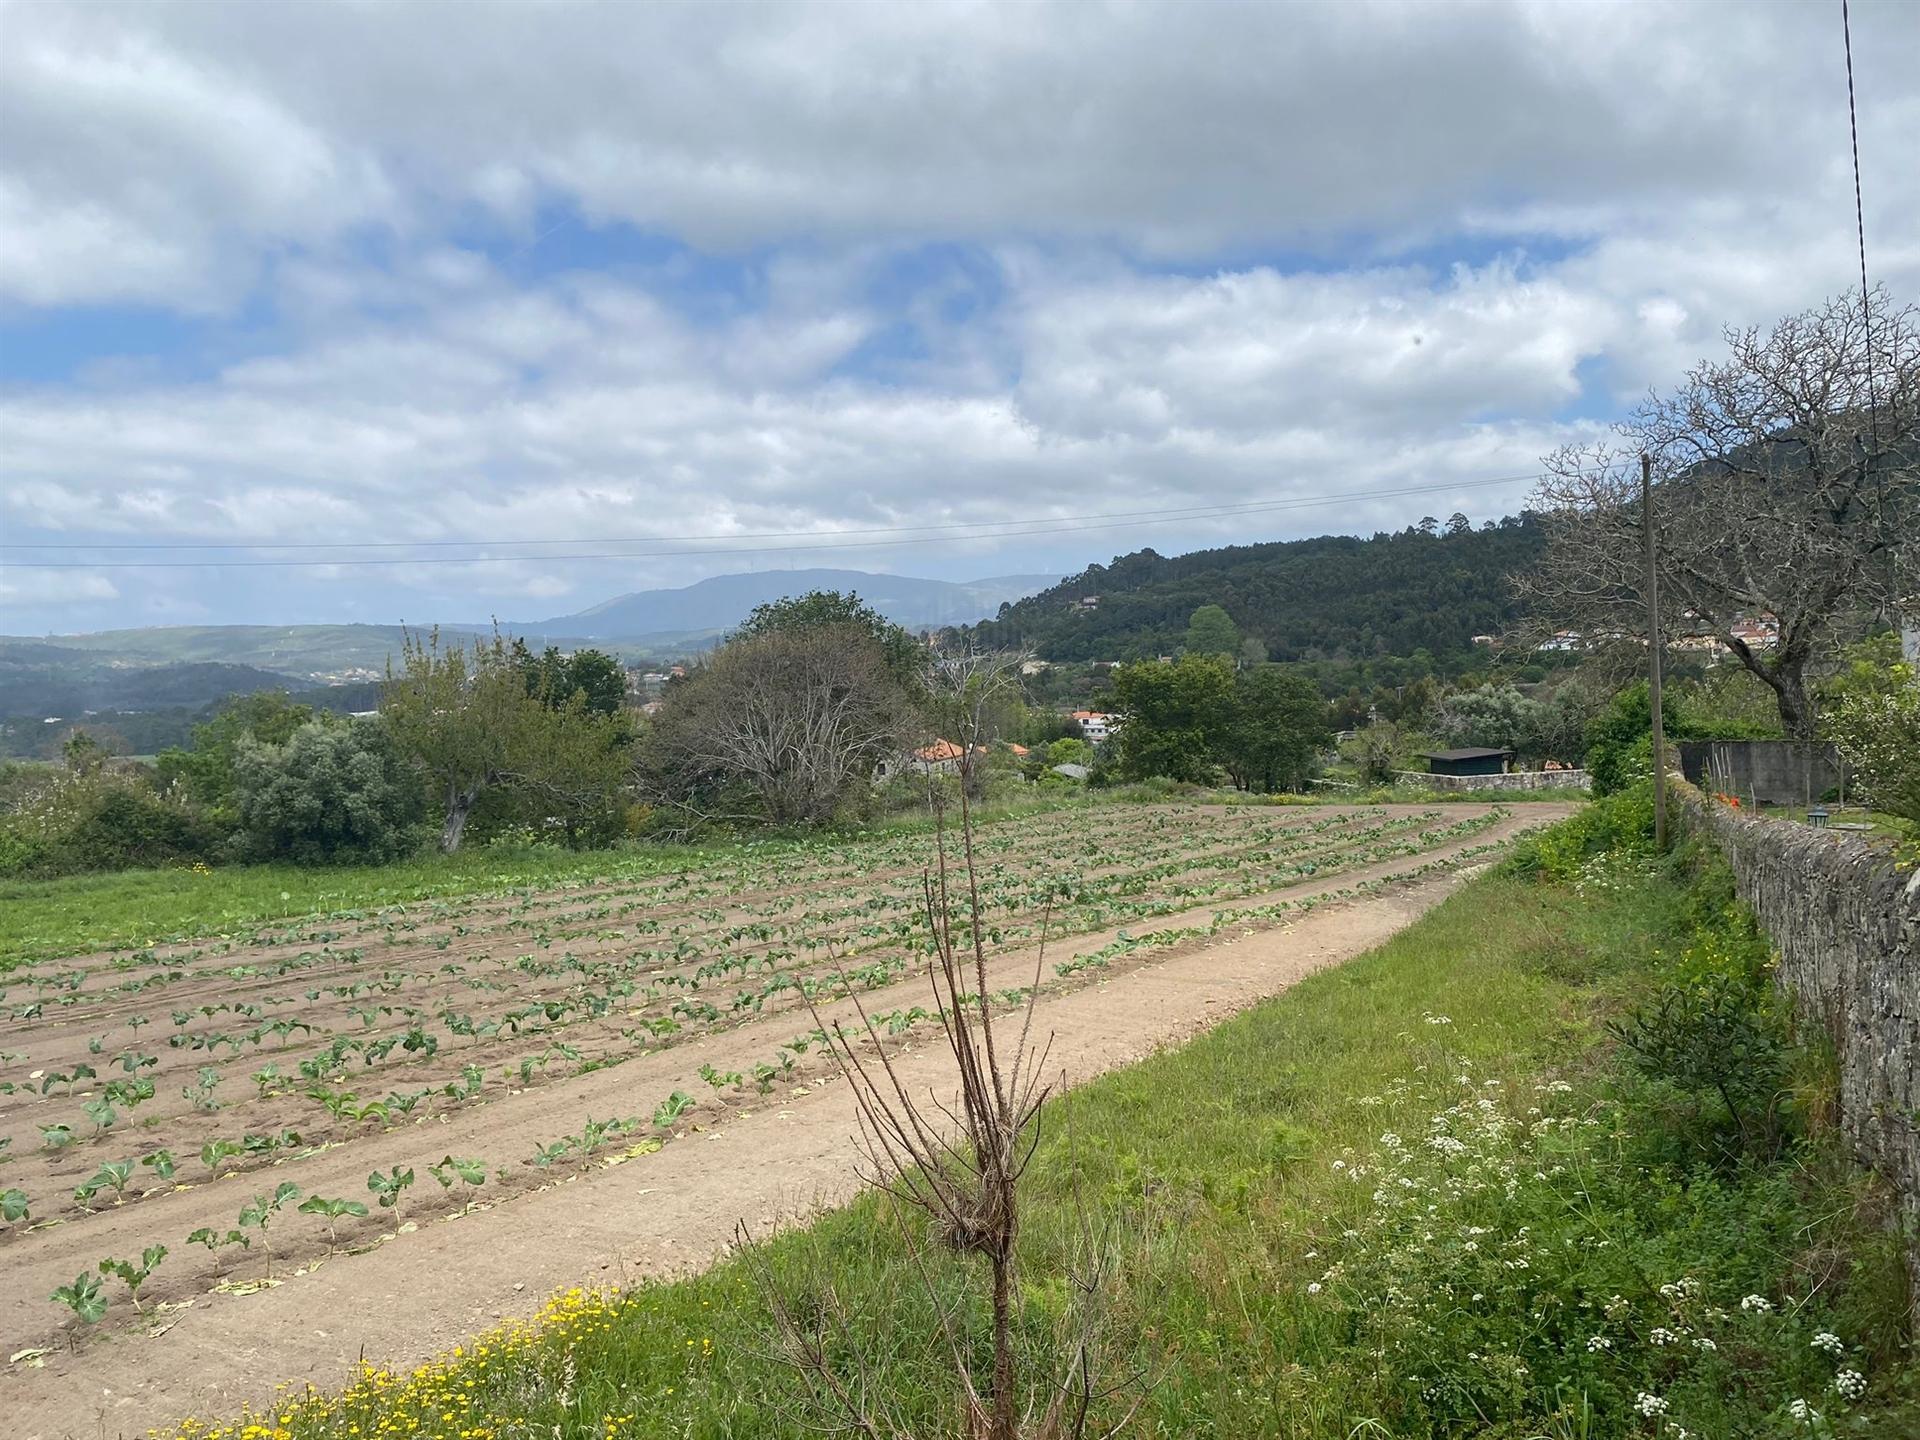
x=1649, y=1405
x=1756, y=1304
x=1598, y=1344
x=1831, y=1343
x=1851, y=1384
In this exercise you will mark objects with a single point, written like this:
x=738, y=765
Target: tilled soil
x=409, y=1283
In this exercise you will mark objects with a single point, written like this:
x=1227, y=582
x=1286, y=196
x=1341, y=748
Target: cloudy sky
x=704, y=288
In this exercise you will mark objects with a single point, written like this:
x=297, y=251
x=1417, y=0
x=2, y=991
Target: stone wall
x=1518, y=780
x=1846, y=922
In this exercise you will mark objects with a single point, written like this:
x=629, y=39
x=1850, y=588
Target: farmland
x=320, y=1094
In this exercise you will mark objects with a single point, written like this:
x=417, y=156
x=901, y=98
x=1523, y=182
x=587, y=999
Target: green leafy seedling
x=472, y=1174
x=672, y=1108
x=389, y=1186
x=83, y=1298
x=161, y=1163
x=13, y=1206
x=335, y=1211
x=259, y=1214
x=215, y=1242
x=135, y=1274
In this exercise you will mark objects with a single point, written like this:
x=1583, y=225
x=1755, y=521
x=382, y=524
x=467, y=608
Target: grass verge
x=1420, y=1194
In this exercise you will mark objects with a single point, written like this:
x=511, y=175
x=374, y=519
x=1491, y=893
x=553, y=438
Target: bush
x=1879, y=734
x=1615, y=830
x=333, y=793
x=101, y=817
x=1620, y=739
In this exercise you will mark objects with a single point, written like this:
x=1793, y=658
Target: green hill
x=1335, y=597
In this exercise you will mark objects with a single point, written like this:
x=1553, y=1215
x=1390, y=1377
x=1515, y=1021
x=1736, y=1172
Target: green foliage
x=134, y=1274
x=1877, y=727
x=1616, y=828
x=464, y=718
x=83, y=1298
x=205, y=771
x=554, y=679
x=1335, y=597
x=1176, y=717
x=818, y=610
x=1620, y=738
x=105, y=817
x=1276, y=732
x=330, y=794
x=1500, y=717
x=14, y=1205
x=389, y=1187
x=1211, y=631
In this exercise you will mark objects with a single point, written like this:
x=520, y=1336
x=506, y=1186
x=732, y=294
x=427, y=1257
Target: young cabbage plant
x=389, y=1186
x=671, y=1109
x=215, y=1242
x=472, y=1174
x=259, y=1214
x=161, y=1163
x=134, y=1274
x=83, y=1298
x=335, y=1211
x=13, y=1205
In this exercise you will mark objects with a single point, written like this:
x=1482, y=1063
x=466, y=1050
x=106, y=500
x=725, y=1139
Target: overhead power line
x=827, y=540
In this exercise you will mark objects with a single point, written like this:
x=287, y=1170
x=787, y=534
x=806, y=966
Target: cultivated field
x=501, y=1049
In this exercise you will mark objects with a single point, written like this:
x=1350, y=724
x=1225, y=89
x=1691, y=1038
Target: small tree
x=1878, y=731
x=333, y=792
x=791, y=722
x=464, y=716
x=1211, y=631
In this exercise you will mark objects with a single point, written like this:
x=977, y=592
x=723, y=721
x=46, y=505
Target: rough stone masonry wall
x=1846, y=922
x=1514, y=780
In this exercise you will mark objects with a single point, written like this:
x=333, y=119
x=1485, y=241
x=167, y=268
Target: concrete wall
x=1775, y=772
x=1846, y=922
x=1517, y=780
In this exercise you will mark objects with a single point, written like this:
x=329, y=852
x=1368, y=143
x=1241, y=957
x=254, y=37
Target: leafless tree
x=1785, y=492
x=799, y=718
x=957, y=1164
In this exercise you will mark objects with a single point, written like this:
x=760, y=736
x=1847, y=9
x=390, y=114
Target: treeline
x=1431, y=587
x=537, y=742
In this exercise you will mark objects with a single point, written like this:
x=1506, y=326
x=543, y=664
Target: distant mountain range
x=718, y=604
x=182, y=668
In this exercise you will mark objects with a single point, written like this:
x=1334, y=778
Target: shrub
x=99, y=817
x=1615, y=830
x=332, y=793
x=1879, y=734
x=1620, y=739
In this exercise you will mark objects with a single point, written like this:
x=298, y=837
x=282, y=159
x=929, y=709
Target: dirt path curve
x=666, y=1213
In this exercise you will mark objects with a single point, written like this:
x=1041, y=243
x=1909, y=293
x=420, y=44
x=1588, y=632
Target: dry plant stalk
x=960, y=1167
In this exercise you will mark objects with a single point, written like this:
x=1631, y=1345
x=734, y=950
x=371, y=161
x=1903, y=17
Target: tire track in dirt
x=778, y=1162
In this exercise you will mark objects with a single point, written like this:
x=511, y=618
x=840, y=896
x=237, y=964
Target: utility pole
x=1653, y=660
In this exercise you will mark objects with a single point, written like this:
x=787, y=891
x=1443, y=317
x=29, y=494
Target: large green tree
x=205, y=770
x=556, y=678
x=1278, y=729
x=1175, y=717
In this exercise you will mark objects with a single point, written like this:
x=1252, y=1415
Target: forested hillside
x=1335, y=596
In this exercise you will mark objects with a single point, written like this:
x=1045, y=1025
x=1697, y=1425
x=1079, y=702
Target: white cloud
x=981, y=264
